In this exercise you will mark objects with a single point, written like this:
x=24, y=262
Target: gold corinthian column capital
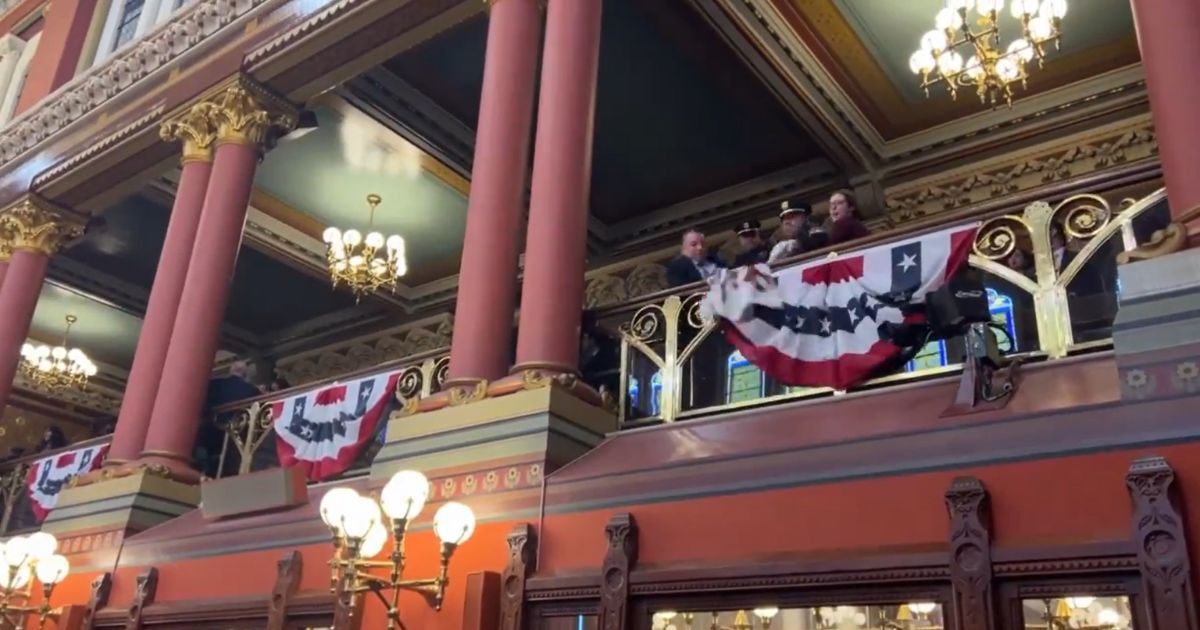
x=247, y=113
x=35, y=225
x=196, y=129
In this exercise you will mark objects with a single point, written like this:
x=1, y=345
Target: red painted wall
x=57, y=55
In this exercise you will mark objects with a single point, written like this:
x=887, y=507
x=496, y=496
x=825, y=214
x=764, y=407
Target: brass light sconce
x=24, y=558
x=360, y=534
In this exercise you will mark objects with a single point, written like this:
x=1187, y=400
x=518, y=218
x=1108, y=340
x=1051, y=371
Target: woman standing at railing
x=844, y=224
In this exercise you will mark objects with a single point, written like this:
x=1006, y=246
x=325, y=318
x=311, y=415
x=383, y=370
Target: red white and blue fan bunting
x=324, y=430
x=49, y=475
x=818, y=324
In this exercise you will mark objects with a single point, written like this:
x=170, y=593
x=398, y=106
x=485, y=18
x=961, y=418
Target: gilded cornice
x=1027, y=171
x=105, y=81
x=33, y=224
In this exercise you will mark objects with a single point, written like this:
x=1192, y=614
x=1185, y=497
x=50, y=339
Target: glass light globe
x=1078, y=603
x=1054, y=9
x=89, y=370
x=340, y=265
x=1109, y=617
x=352, y=237
x=1008, y=69
x=401, y=268
x=1021, y=49
x=989, y=6
x=45, y=365
x=395, y=243
x=75, y=354
x=949, y=20
x=374, y=541
x=861, y=618
x=52, y=569
x=1040, y=29
x=375, y=240
x=333, y=505
x=41, y=545
x=1024, y=8
x=933, y=41
x=405, y=494
x=16, y=551
x=339, y=252
x=59, y=352
x=332, y=235
x=950, y=62
x=973, y=69
x=43, y=351
x=767, y=612
x=961, y=5
x=28, y=351
x=356, y=261
x=20, y=578
x=361, y=515
x=454, y=523
x=923, y=608
x=921, y=62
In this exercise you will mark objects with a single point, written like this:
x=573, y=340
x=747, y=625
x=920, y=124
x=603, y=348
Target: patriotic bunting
x=49, y=475
x=822, y=324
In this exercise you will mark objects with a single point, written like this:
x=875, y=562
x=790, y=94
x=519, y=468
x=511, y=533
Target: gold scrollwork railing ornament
x=1168, y=240
x=247, y=430
x=360, y=533
x=419, y=381
x=1088, y=218
x=676, y=317
x=12, y=487
x=25, y=558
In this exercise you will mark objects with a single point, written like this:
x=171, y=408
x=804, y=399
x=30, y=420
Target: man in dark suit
x=693, y=263
x=754, y=249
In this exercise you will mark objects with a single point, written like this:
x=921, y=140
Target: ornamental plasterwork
x=1035, y=169
x=110, y=78
x=365, y=352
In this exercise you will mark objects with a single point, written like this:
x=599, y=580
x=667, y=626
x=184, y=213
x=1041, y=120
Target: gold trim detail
x=195, y=128
x=466, y=394
x=34, y=225
x=1168, y=240
x=6, y=249
x=246, y=113
x=535, y=378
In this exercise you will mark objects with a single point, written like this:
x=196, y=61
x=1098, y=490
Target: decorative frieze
x=364, y=352
x=105, y=81
x=1023, y=173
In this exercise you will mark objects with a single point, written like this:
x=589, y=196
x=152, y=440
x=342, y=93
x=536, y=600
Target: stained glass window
x=743, y=379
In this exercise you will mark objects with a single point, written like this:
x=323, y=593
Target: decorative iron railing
x=18, y=515
x=1052, y=283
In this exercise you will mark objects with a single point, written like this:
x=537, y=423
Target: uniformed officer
x=799, y=234
x=754, y=249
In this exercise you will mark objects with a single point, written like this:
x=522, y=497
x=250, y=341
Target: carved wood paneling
x=147, y=586
x=619, y=560
x=287, y=580
x=970, y=554
x=101, y=587
x=1161, y=541
x=522, y=545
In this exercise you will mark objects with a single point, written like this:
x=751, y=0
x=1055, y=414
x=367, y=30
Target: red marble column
x=18, y=299
x=488, y=278
x=193, y=348
x=151, y=355
x=555, y=251
x=244, y=125
x=1169, y=37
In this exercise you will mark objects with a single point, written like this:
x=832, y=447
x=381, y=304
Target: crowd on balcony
x=799, y=231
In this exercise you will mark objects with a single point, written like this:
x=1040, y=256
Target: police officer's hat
x=794, y=206
x=748, y=228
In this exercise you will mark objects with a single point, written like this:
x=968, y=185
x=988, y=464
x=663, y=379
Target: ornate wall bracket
x=147, y=586
x=35, y=224
x=619, y=560
x=970, y=554
x=1168, y=240
x=287, y=582
x=522, y=556
x=1161, y=541
x=101, y=587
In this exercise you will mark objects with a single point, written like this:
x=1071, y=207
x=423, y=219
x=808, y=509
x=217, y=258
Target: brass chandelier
x=368, y=263
x=21, y=560
x=992, y=68
x=59, y=368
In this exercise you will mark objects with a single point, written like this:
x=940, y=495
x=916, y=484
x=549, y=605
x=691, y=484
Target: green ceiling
x=329, y=172
x=892, y=29
x=104, y=332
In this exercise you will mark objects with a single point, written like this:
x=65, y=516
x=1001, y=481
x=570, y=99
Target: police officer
x=754, y=249
x=799, y=234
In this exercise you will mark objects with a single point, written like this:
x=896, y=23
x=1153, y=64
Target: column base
x=1156, y=335
x=92, y=519
x=499, y=445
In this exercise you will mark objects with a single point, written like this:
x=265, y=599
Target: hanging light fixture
x=58, y=368
x=21, y=560
x=367, y=263
x=991, y=68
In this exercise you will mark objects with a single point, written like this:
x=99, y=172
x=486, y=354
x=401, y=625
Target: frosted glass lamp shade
x=454, y=523
x=405, y=494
